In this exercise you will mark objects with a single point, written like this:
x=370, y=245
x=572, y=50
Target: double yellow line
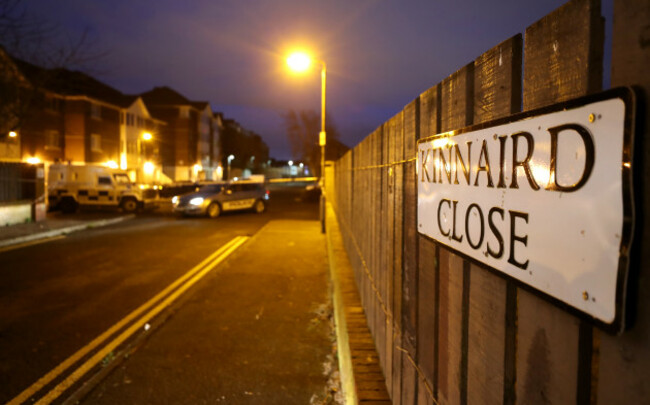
x=138, y=319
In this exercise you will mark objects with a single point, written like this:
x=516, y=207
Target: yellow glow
x=149, y=167
x=299, y=61
x=147, y=136
x=197, y=168
x=219, y=172
x=112, y=164
x=123, y=164
x=33, y=160
x=541, y=174
x=13, y=134
x=440, y=142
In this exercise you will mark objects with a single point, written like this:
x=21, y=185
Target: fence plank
x=497, y=84
x=625, y=360
x=428, y=261
x=407, y=231
x=456, y=112
x=559, y=58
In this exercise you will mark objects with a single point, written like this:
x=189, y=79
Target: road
x=56, y=297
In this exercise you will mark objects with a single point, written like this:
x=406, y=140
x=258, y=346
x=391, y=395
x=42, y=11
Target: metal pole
x=322, y=141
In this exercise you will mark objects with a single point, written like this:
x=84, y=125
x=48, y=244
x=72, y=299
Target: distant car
x=212, y=199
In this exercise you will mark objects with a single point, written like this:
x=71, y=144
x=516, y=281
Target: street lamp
x=230, y=158
x=300, y=62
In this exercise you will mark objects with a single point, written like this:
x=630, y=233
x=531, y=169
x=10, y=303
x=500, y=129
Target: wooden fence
x=447, y=330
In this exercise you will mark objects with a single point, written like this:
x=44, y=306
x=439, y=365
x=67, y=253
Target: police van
x=73, y=186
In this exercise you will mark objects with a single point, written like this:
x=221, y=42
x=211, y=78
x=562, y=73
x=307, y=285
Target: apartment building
x=190, y=138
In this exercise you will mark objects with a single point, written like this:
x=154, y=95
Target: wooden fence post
x=625, y=360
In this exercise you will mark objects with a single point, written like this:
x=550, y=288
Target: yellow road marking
x=34, y=242
x=196, y=272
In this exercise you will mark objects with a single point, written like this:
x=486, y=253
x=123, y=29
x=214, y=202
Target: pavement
x=56, y=224
x=283, y=342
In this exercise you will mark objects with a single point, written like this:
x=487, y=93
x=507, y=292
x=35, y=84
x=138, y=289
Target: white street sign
x=543, y=199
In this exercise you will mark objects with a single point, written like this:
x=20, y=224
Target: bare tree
x=31, y=53
x=303, y=128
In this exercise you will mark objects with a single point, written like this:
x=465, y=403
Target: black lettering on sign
x=589, y=157
x=517, y=238
x=425, y=171
x=495, y=231
x=459, y=158
x=480, y=214
x=454, y=236
x=502, y=159
x=439, y=221
x=485, y=167
x=523, y=163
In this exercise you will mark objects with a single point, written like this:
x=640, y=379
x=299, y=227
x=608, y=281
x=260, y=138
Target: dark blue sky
x=381, y=54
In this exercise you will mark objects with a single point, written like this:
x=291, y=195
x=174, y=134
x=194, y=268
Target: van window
x=121, y=178
x=104, y=180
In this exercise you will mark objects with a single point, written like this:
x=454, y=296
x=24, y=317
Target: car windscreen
x=211, y=188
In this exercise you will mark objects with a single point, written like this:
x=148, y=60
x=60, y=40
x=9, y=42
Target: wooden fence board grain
x=624, y=360
x=497, y=93
x=456, y=112
x=557, y=67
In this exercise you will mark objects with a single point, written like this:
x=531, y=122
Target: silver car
x=212, y=199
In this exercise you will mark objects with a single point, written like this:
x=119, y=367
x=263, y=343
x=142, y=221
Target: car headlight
x=175, y=200
x=196, y=201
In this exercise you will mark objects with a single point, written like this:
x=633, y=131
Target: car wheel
x=129, y=205
x=214, y=210
x=259, y=206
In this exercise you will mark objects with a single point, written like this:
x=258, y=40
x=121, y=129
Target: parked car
x=212, y=199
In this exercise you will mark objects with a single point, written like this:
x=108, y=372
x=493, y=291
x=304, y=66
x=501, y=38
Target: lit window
x=185, y=112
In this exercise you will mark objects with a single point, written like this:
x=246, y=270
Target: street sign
x=544, y=197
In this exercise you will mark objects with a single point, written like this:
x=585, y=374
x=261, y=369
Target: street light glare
x=299, y=61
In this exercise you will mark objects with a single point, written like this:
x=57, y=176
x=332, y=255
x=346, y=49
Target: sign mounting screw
x=592, y=118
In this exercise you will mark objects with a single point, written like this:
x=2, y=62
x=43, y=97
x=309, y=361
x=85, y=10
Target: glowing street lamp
x=300, y=62
x=147, y=136
x=230, y=159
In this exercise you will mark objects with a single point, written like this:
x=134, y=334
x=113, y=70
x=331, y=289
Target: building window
x=184, y=112
x=54, y=104
x=96, y=143
x=52, y=139
x=95, y=110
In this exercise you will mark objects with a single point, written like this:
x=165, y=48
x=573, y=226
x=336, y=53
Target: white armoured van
x=72, y=186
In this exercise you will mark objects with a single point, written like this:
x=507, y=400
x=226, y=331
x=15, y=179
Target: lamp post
x=299, y=62
x=230, y=158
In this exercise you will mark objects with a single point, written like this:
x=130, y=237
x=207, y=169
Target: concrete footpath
x=257, y=330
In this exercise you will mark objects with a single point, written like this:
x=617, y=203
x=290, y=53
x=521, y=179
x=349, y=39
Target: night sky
x=380, y=54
